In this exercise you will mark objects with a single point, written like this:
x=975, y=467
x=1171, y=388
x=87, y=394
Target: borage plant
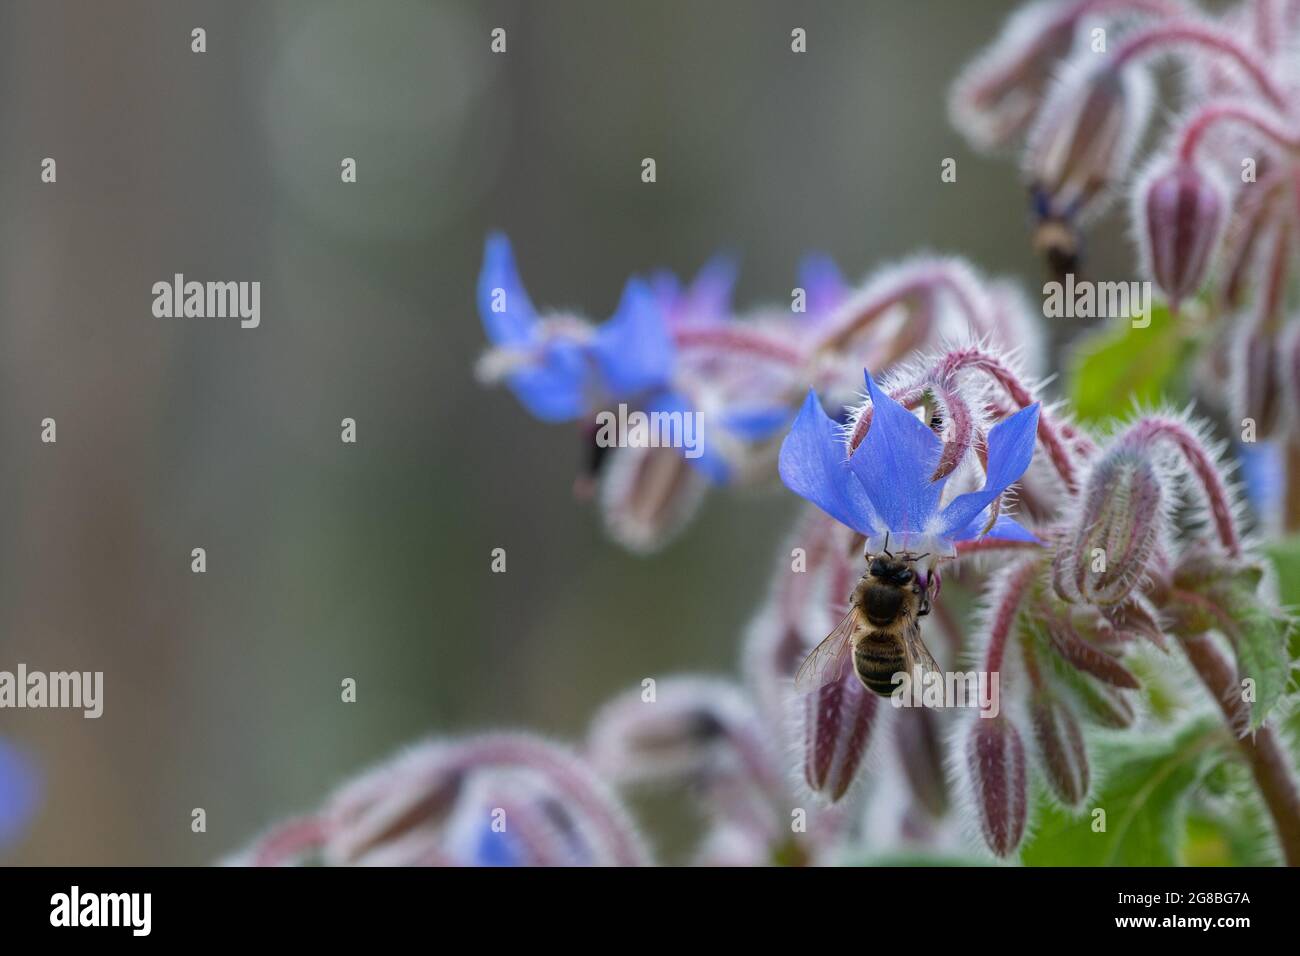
x=1088, y=632
x=1125, y=610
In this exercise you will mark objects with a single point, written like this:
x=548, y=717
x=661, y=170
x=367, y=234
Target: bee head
x=891, y=570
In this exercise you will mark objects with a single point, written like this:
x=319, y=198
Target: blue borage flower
x=886, y=486
x=562, y=369
x=19, y=790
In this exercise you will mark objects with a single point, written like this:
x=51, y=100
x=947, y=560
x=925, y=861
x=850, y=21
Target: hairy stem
x=1203, y=35
x=1291, y=502
x=1263, y=751
x=1269, y=124
x=1149, y=431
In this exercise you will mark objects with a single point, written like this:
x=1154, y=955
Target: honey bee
x=1056, y=236
x=882, y=628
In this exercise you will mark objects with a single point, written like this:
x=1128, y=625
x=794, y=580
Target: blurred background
x=371, y=561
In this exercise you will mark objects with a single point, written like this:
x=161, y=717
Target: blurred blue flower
x=496, y=848
x=886, y=485
x=19, y=791
x=562, y=368
x=1262, y=475
x=823, y=283
x=707, y=298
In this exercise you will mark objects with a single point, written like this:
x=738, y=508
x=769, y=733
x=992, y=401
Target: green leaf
x=1260, y=634
x=1285, y=555
x=1146, y=784
x=1121, y=364
x=1261, y=640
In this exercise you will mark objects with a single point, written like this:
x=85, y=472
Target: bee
x=1056, y=236
x=882, y=628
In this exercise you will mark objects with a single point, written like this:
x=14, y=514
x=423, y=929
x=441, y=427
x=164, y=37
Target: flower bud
x=1105, y=704
x=688, y=730
x=839, y=718
x=1061, y=752
x=1084, y=137
x=1087, y=657
x=1181, y=212
x=1116, y=533
x=648, y=495
x=920, y=751
x=1256, y=378
x=995, y=760
x=1136, y=618
x=995, y=97
x=425, y=806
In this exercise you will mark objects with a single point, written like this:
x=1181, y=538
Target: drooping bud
x=995, y=761
x=1256, y=379
x=1105, y=704
x=1136, y=618
x=648, y=495
x=920, y=751
x=403, y=801
x=839, y=718
x=412, y=809
x=1123, y=511
x=997, y=94
x=1086, y=656
x=1061, y=752
x=1084, y=138
x=1180, y=213
x=688, y=729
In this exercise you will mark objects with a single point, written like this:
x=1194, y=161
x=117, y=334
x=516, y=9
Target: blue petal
x=495, y=848
x=812, y=465
x=557, y=387
x=895, y=462
x=19, y=792
x=1007, y=528
x=709, y=294
x=515, y=325
x=821, y=280
x=634, y=348
x=755, y=423
x=1011, y=447
x=708, y=460
x=1262, y=475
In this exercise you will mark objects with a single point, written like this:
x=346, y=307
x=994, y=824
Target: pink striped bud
x=1084, y=137
x=1116, y=532
x=920, y=751
x=995, y=760
x=839, y=718
x=1179, y=216
x=648, y=495
x=1061, y=753
x=1256, y=379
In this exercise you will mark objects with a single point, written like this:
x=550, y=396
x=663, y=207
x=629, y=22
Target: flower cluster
x=674, y=348
x=1212, y=208
x=1102, y=600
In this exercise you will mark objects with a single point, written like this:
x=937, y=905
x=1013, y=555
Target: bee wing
x=825, y=664
x=915, y=653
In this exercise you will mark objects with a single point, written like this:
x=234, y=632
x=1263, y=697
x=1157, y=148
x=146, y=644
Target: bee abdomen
x=876, y=659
